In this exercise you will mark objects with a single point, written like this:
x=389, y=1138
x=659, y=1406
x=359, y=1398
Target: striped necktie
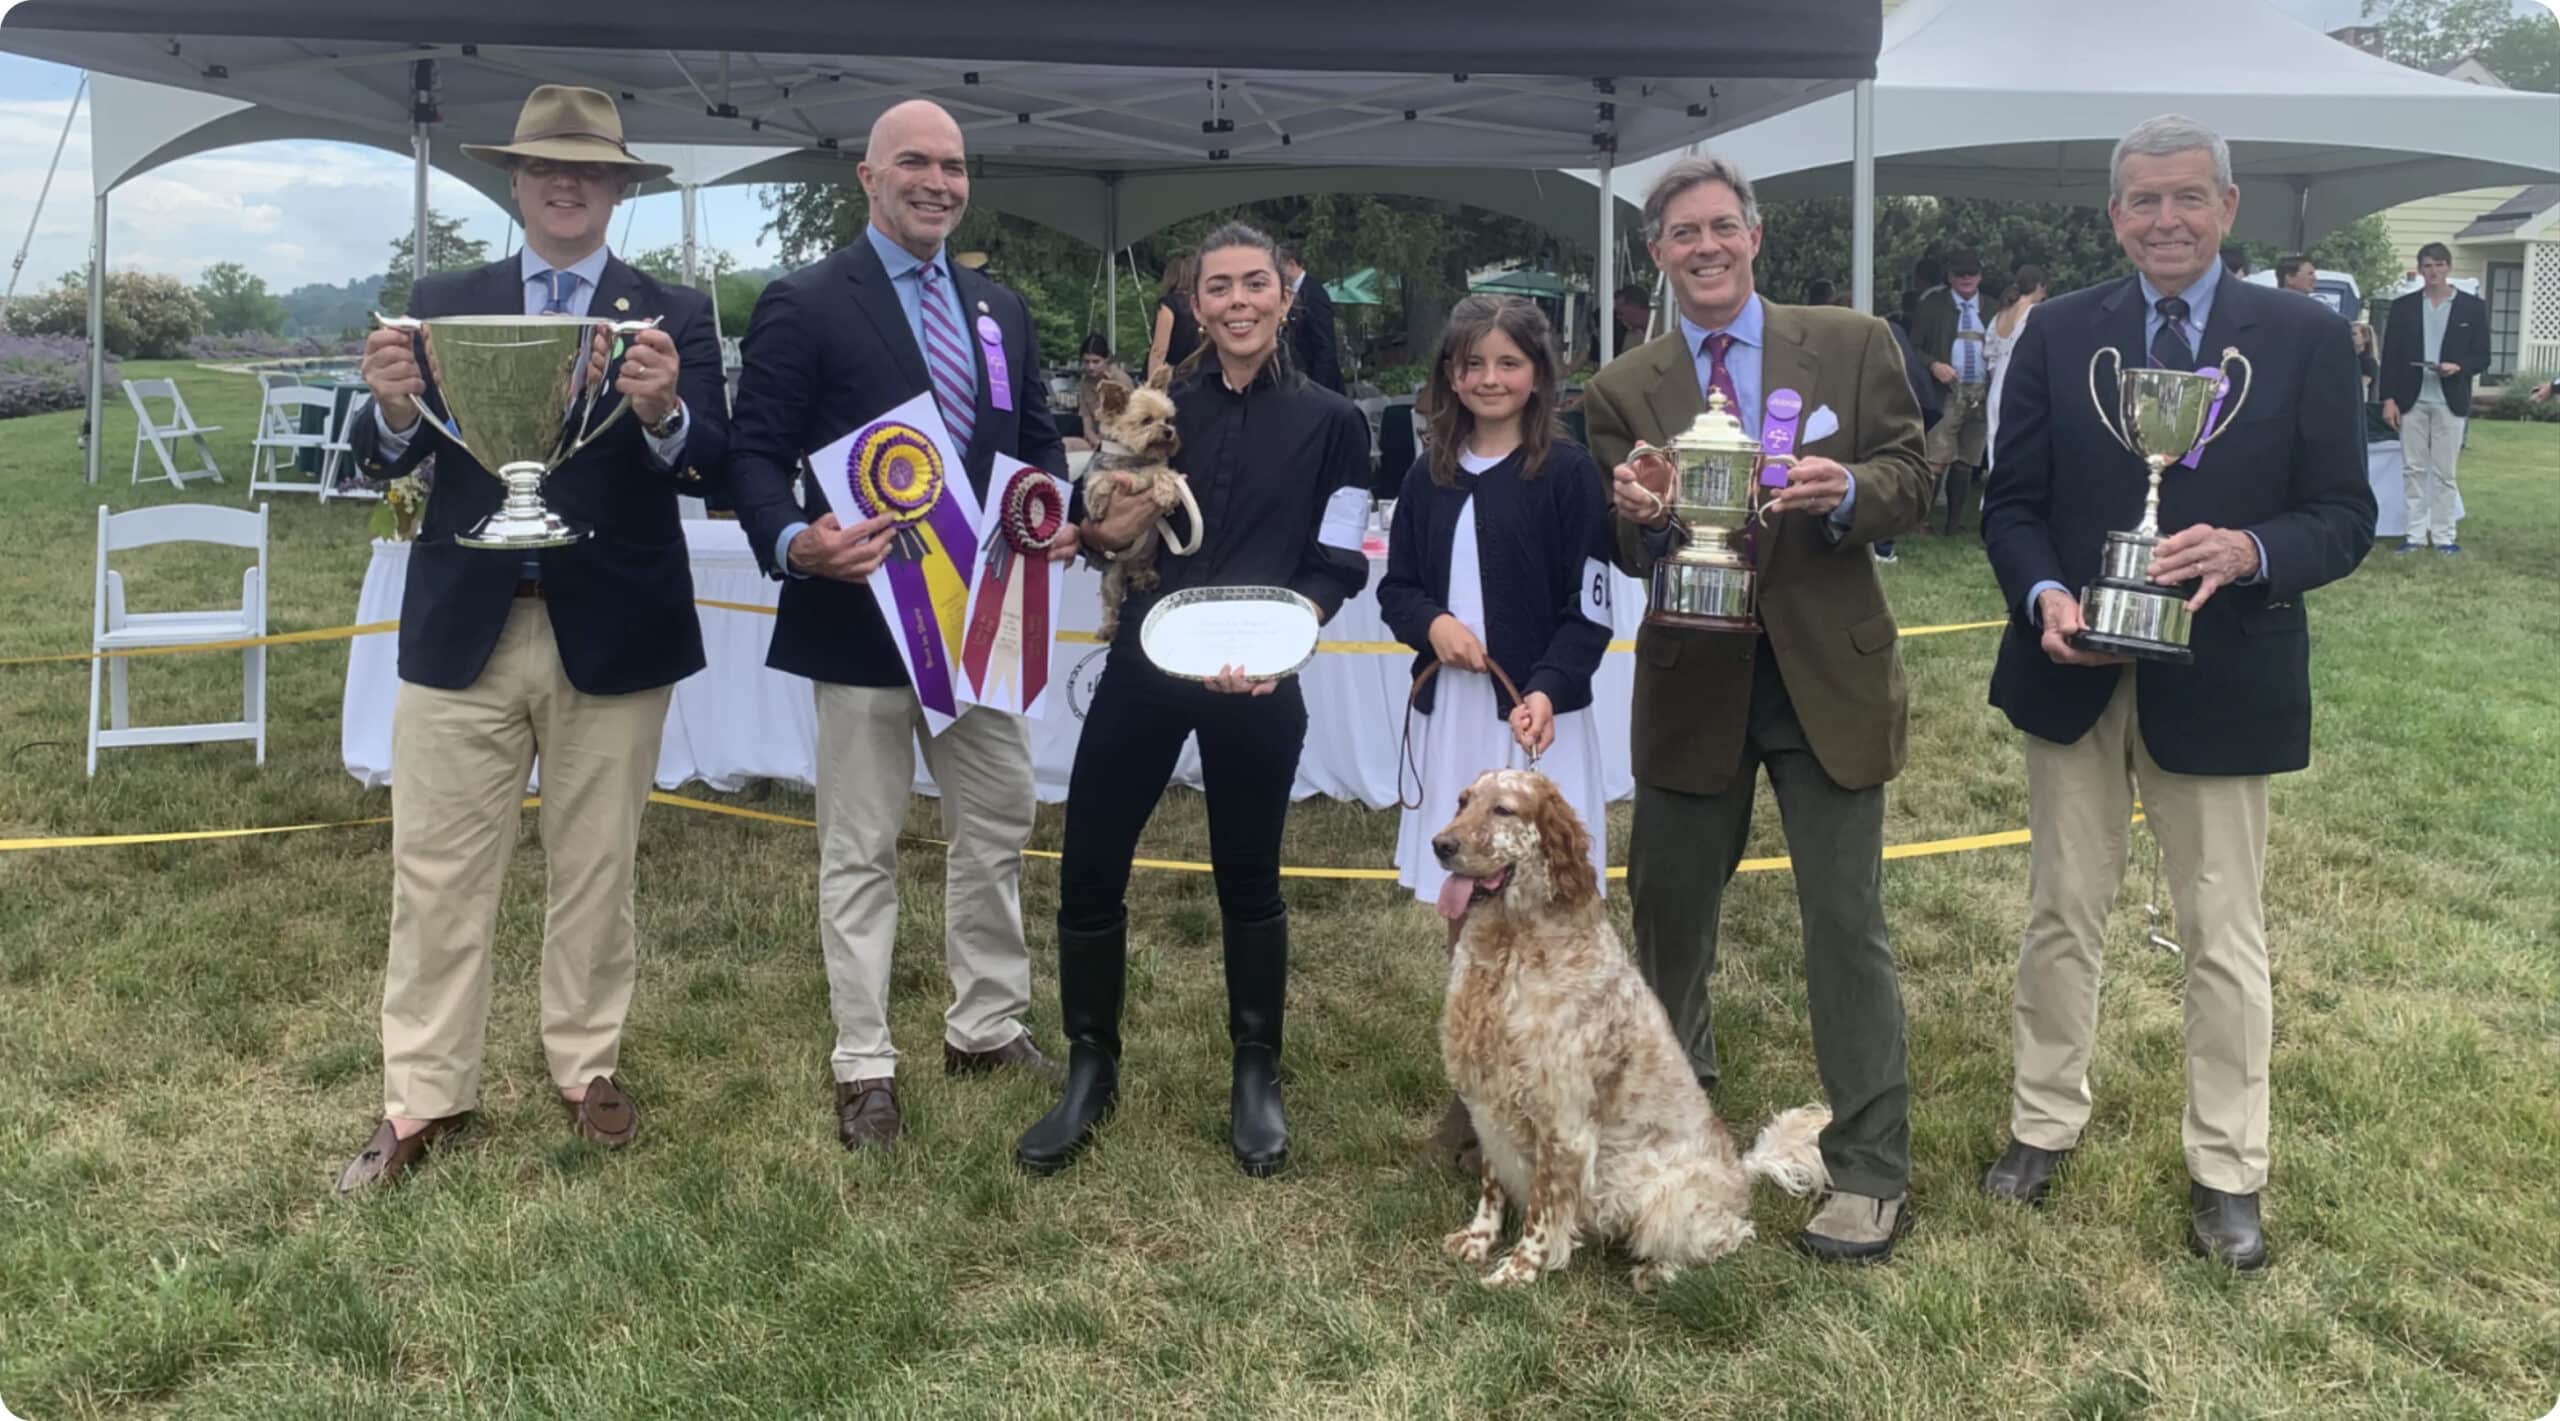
x=564, y=284
x=946, y=357
x=2170, y=349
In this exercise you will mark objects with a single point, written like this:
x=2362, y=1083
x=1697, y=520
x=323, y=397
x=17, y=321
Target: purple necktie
x=946, y=356
x=1719, y=377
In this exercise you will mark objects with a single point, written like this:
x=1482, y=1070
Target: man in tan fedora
x=569, y=653
x=1815, y=697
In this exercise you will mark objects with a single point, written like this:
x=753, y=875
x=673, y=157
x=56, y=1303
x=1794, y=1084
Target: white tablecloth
x=736, y=720
x=2382, y=467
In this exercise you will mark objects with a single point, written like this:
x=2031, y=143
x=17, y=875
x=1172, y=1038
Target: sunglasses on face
x=543, y=170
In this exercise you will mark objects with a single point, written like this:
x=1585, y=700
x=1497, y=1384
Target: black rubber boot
x=1093, y=969
x=1257, y=989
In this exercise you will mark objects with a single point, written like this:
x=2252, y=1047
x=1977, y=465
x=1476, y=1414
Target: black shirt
x=1281, y=473
x=1184, y=338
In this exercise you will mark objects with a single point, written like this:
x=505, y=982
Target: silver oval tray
x=1269, y=632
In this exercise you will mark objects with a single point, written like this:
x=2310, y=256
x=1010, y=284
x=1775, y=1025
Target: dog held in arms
x=1583, y=1099
x=1129, y=461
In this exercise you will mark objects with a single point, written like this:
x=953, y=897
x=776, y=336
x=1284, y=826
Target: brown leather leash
x=1405, y=762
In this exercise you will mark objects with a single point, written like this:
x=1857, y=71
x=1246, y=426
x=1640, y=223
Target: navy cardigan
x=1542, y=551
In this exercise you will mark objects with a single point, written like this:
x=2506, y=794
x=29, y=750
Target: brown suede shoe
x=867, y=1113
x=386, y=1157
x=1021, y=1053
x=606, y=1116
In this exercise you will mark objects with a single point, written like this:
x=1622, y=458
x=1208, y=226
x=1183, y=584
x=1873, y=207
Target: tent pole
x=689, y=247
x=2301, y=214
x=422, y=85
x=1862, y=199
x=1111, y=262
x=1607, y=267
x=97, y=333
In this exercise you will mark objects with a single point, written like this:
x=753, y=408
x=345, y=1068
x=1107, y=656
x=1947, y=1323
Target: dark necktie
x=1718, y=376
x=2171, y=349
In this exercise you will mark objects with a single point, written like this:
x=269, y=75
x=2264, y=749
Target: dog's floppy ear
x=1112, y=397
x=1161, y=377
x=1568, y=849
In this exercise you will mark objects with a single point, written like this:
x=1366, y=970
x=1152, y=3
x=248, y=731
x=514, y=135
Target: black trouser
x=1685, y=849
x=1133, y=734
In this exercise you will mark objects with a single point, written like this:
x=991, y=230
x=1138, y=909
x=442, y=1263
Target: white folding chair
x=340, y=452
x=159, y=433
x=281, y=439
x=114, y=629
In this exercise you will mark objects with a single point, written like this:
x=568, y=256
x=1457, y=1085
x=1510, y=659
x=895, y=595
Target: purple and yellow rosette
x=897, y=472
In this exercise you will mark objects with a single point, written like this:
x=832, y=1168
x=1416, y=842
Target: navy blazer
x=621, y=599
x=829, y=351
x=2291, y=470
x=2404, y=344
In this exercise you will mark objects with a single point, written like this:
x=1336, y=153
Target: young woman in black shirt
x=1280, y=468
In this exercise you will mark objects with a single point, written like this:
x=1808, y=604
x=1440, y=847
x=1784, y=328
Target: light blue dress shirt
x=903, y=267
x=1749, y=330
x=2199, y=298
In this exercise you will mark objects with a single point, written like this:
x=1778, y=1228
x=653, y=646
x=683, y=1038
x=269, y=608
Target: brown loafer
x=1021, y=1053
x=386, y=1157
x=606, y=1116
x=867, y=1113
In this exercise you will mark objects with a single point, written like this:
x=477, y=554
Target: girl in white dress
x=1497, y=558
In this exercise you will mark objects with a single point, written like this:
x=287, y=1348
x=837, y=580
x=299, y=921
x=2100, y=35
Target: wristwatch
x=666, y=428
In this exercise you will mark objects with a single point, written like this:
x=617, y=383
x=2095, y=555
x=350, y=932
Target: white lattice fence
x=2539, y=346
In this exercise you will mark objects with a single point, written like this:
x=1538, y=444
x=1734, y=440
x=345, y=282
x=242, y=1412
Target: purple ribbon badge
x=999, y=377
x=2221, y=392
x=1778, y=435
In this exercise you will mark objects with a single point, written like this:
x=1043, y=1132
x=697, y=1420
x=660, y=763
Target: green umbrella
x=1523, y=282
x=1360, y=288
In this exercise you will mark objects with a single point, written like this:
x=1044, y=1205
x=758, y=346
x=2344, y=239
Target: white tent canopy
x=2025, y=99
x=1425, y=84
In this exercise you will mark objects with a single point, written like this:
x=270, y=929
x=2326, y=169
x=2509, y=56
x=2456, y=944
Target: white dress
x=1464, y=735
x=1996, y=349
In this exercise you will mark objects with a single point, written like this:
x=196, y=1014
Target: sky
x=295, y=213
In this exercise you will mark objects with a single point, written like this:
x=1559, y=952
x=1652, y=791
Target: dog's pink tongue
x=1454, y=896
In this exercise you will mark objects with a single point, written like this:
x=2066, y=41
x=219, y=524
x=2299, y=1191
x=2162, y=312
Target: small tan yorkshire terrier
x=1129, y=461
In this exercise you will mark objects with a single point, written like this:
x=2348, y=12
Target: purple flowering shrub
x=39, y=374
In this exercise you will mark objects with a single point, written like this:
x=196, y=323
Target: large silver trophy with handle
x=517, y=393
x=2162, y=416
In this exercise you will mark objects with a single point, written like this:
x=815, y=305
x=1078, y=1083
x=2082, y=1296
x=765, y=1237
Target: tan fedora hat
x=568, y=125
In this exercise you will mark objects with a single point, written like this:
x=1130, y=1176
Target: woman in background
x=1177, y=332
x=1997, y=342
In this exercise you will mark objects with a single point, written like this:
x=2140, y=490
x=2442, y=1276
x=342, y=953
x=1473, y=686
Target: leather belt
x=528, y=587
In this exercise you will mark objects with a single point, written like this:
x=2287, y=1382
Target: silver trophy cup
x=2161, y=416
x=516, y=396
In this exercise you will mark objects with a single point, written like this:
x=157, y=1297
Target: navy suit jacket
x=621, y=599
x=2404, y=345
x=2291, y=470
x=829, y=351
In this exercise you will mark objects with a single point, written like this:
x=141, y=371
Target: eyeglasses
x=544, y=169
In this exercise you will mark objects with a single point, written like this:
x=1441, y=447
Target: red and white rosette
x=1011, y=617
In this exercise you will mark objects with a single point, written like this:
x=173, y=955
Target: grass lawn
x=188, y=1052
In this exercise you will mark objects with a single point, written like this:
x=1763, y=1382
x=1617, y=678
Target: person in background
x=1177, y=331
x=2235, y=260
x=2435, y=341
x=2297, y=274
x=1097, y=366
x=1818, y=292
x=1498, y=560
x=1313, y=344
x=1924, y=391
x=1949, y=334
x=1998, y=342
x=1281, y=470
x=2368, y=361
x=1633, y=310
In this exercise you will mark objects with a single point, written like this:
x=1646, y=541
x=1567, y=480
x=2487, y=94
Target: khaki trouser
x=459, y=761
x=2213, y=839
x=2430, y=446
x=866, y=767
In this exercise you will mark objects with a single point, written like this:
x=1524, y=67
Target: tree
x=2523, y=50
x=236, y=302
x=1808, y=240
x=447, y=250
x=147, y=317
x=667, y=263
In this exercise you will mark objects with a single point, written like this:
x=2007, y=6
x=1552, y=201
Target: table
x=735, y=720
x=2385, y=471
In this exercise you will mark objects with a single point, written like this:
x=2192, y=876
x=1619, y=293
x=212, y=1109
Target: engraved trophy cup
x=2161, y=416
x=1711, y=582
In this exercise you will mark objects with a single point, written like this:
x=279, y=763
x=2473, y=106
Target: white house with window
x=2516, y=249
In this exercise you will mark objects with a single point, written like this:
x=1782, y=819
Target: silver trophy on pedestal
x=517, y=394
x=2161, y=416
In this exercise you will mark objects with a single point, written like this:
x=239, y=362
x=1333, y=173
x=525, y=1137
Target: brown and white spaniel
x=1583, y=1099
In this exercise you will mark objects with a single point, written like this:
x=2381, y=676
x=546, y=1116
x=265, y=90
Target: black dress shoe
x=2225, y=1227
x=2023, y=1174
